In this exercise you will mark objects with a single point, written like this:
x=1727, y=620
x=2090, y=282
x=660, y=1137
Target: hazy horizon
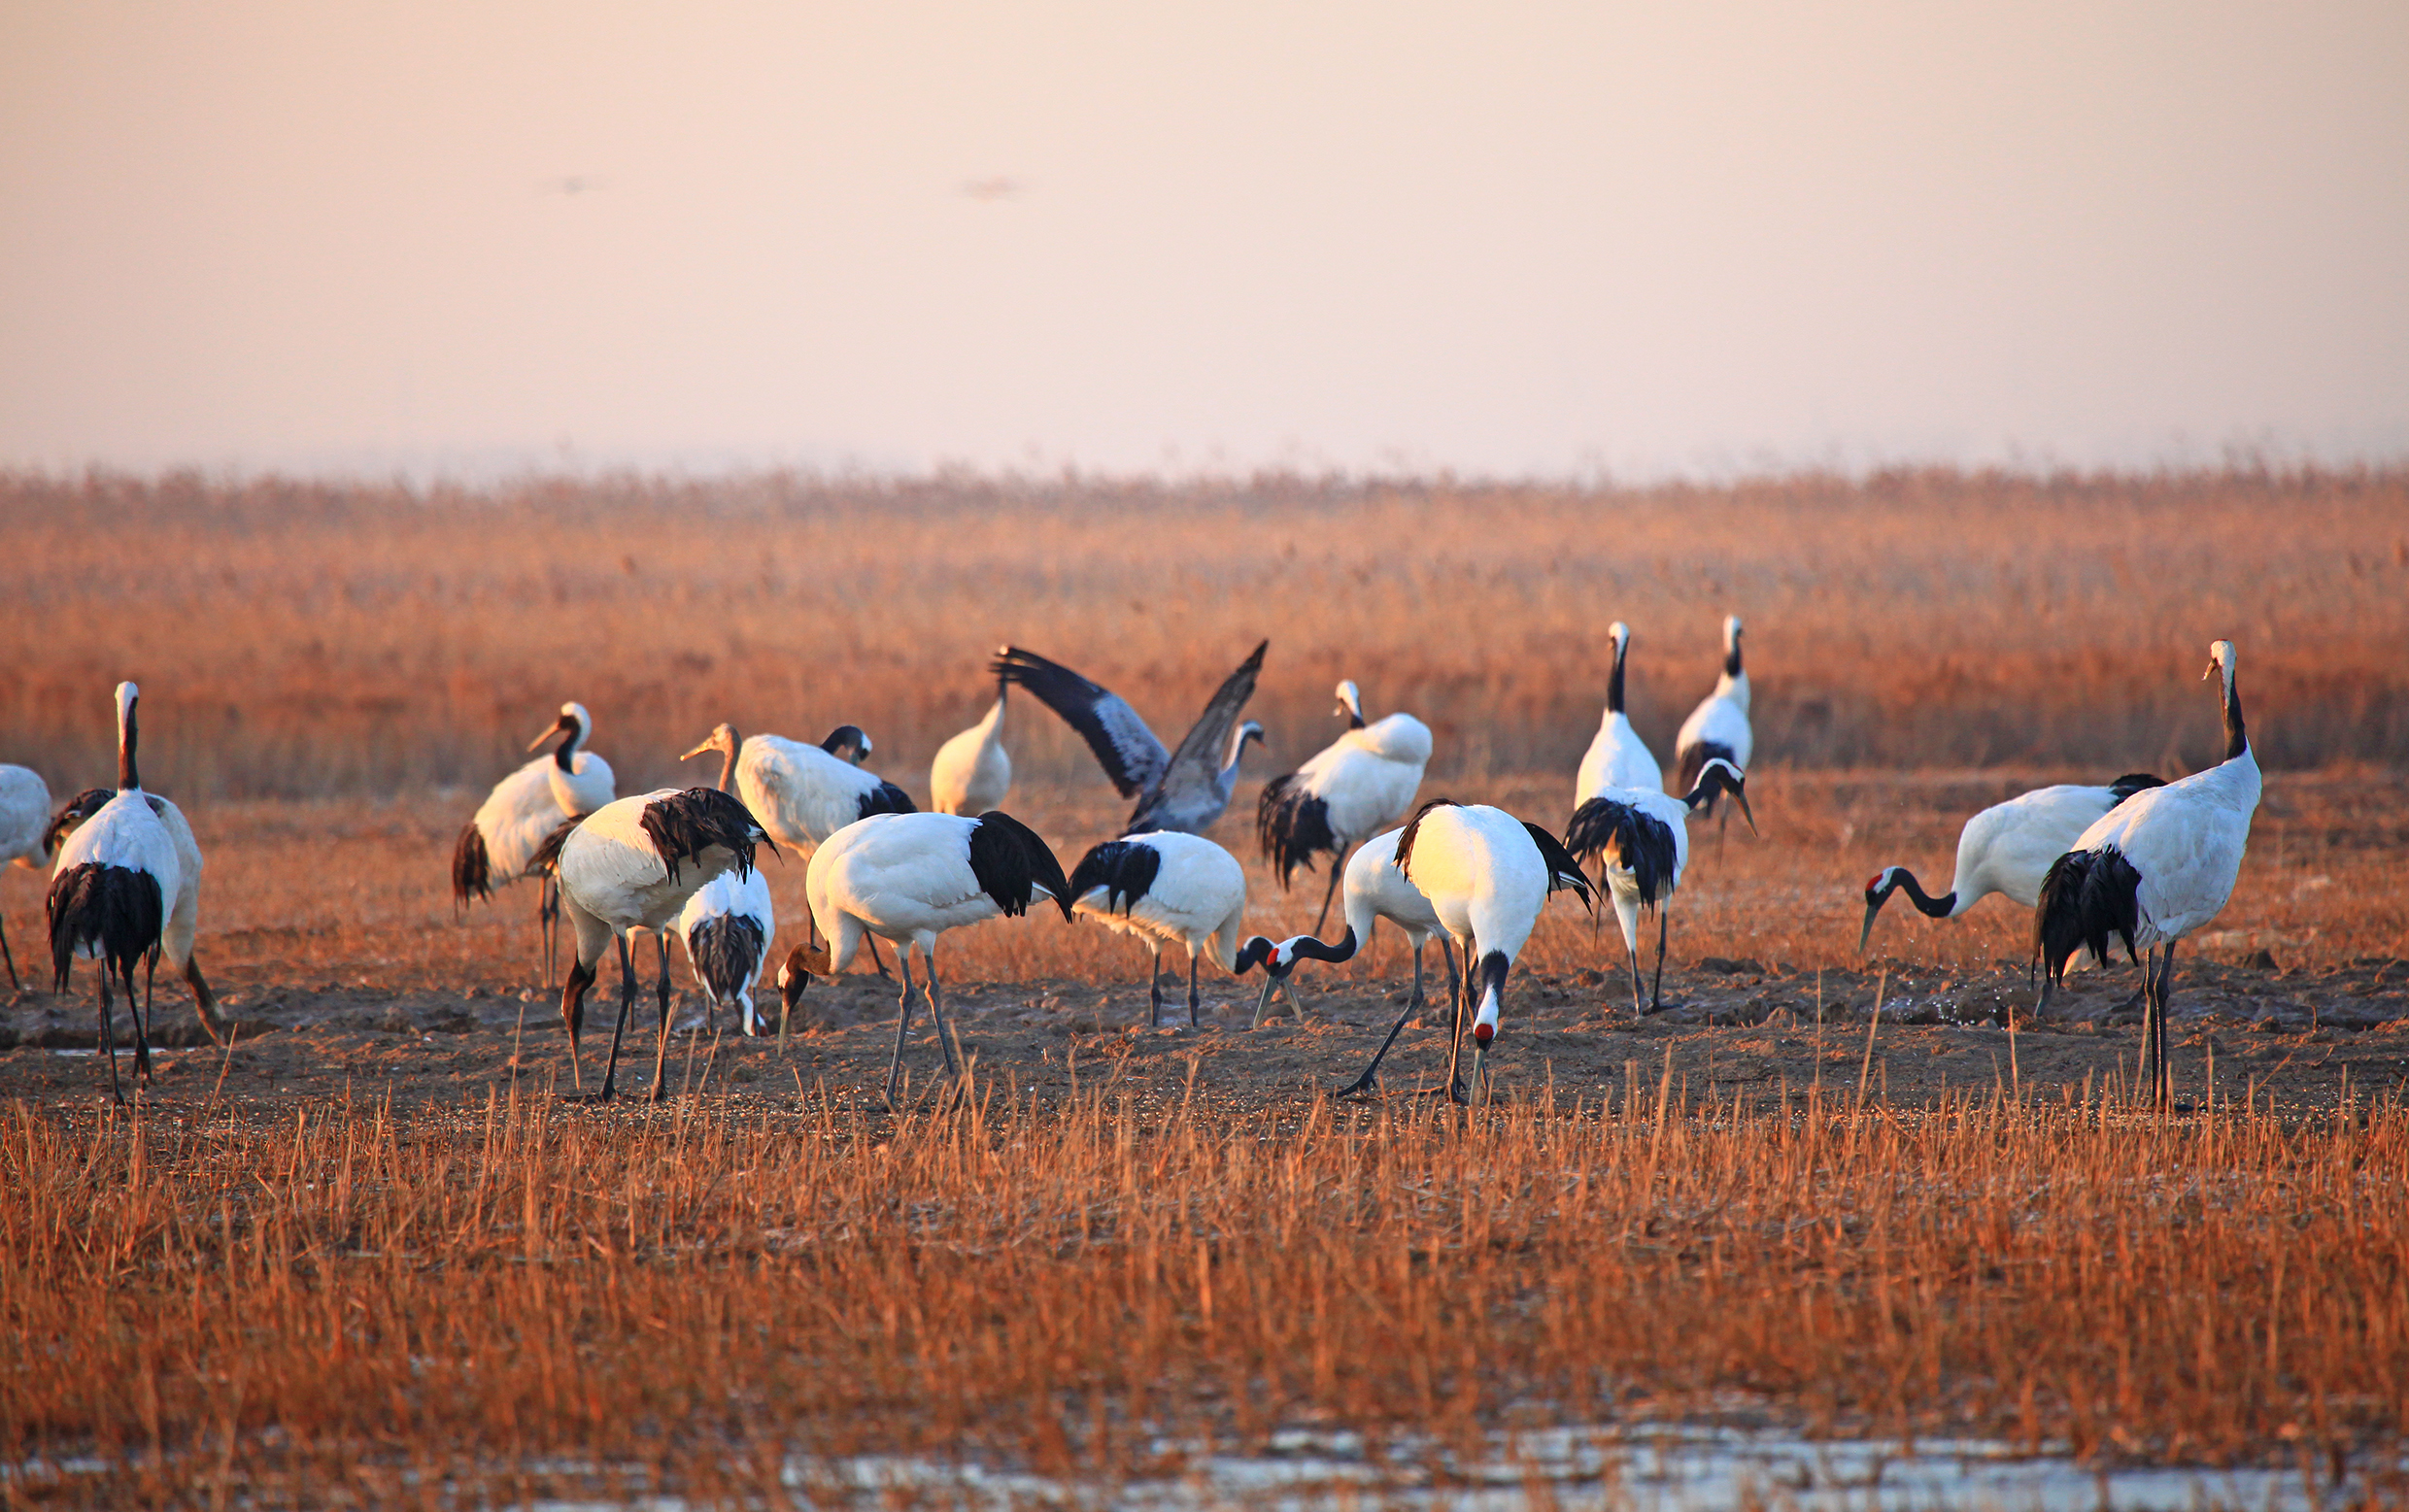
x=1545, y=242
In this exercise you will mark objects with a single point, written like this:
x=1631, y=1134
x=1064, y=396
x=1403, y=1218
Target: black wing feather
x=1011, y=862
x=1294, y=826
x=885, y=799
x=685, y=825
x=1124, y=869
x=1562, y=870
x=2087, y=897
x=1130, y=754
x=2132, y=782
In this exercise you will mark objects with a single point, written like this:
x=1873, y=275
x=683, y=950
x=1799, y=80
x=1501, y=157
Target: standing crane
x=1720, y=725
x=184, y=911
x=1187, y=790
x=1616, y=758
x=498, y=846
x=1639, y=838
x=972, y=771
x=1350, y=790
x=728, y=927
x=1167, y=888
x=2152, y=870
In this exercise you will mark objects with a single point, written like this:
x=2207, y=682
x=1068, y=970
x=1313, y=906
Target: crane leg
x=14, y=986
x=1656, y=990
x=880, y=961
x=547, y=917
x=1446, y=953
x=626, y=1006
x=1191, y=989
x=946, y=1041
x=1638, y=1009
x=141, y=1021
x=2167, y=985
x=1154, y=989
x=108, y=1036
x=661, y=1049
x=1413, y=1001
x=1337, y=868
x=902, y=1026
x=1455, y=1036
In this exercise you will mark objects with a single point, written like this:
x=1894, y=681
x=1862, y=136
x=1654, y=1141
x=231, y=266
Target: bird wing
x=1194, y=768
x=1129, y=752
x=1563, y=871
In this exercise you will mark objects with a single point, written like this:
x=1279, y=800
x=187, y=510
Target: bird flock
x=2140, y=862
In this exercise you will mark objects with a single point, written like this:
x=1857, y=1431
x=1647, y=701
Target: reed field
x=367, y=1256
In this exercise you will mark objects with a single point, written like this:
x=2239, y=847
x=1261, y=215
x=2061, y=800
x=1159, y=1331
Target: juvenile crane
x=728, y=927
x=1616, y=758
x=498, y=846
x=24, y=834
x=2152, y=870
x=1352, y=787
x=1486, y=875
x=2006, y=849
x=633, y=864
x=1640, y=839
x=1720, y=725
x=972, y=771
x=1167, y=888
x=909, y=878
x=1187, y=790
x=109, y=893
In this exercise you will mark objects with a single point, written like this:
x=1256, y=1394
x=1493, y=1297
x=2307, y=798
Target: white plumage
x=1167, y=888
x=2154, y=869
x=1349, y=790
x=803, y=794
x=24, y=823
x=909, y=878
x=633, y=864
x=2006, y=849
x=1616, y=758
x=972, y=771
x=1720, y=725
x=115, y=877
x=728, y=926
x=498, y=845
x=1639, y=838
x=184, y=912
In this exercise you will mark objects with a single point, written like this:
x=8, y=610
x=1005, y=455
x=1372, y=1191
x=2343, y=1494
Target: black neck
x=1308, y=948
x=1731, y=660
x=1354, y=720
x=1925, y=904
x=1615, y=681
x=127, y=776
x=564, y=755
x=2237, y=739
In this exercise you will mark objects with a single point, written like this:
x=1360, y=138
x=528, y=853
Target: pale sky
x=1523, y=239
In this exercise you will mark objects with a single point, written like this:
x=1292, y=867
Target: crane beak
x=1740, y=796
x=559, y=728
x=1867, y=934
x=705, y=749
x=1265, y=1001
x=1474, y=1094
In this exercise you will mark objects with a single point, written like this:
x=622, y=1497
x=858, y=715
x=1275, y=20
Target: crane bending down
x=728, y=925
x=1640, y=839
x=631, y=864
x=1185, y=790
x=110, y=893
x=911, y=877
x=2007, y=849
x=1485, y=875
x=1167, y=888
x=1720, y=725
x=2152, y=870
x=498, y=846
x=1350, y=790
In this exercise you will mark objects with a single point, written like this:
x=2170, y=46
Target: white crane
x=24, y=834
x=803, y=794
x=1640, y=839
x=1185, y=790
x=1486, y=875
x=1720, y=725
x=110, y=891
x=498, y=846
x=633, y=864
x=2150, y=871
x=1376, y=890
x=909, y=878
x=1616, y=758
x=2006, y=849
x=184, y=912
x=728, y=927
x=972, y=771
x=1167, y=888
x=1351, y=789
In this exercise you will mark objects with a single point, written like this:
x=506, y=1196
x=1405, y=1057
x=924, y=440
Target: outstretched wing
x=1130, y=755
x=1196, y=766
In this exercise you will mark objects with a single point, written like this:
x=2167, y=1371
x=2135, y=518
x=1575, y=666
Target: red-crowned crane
x=972, y=771
x=1352, y=789
x=2150, y=871
x=802, y=794
x=1720, y=725
x=728, y=927
x=1640, y=839
x=631, y=864
x=1187, y=790
x=1616, y=758
x=110, y=891
x=498, y=846
x=909, y=878
x=1486, y=875
x=2006, y=849
x=24, y=834
x=1376, y=890
x=1167, y=888
x=184, y=912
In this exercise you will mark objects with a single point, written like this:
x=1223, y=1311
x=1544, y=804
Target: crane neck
x=2237, y=737
x=129, y=778
x=1615, y=681
x=728, y=758
x=1927, y=904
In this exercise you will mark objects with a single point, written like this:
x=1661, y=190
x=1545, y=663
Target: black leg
x=954, y=1061
x=1372, y=1073
x=142, y=1020
x=1455, y=1036
x=1656, y=990
x=1639, y=1008
x=626, y=1006
x=661, y=1050
x=902, y=1026
x=1337, y=868
x=108, y=1036
x=548, y=925
x=14, y=986
x=1446, y=953
x=1192, y=987
x=1154, y=989
x=880, y=961
x=2166, y=990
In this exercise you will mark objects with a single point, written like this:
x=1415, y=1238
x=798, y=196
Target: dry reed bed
x=317, y=1310
x=326, y=639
